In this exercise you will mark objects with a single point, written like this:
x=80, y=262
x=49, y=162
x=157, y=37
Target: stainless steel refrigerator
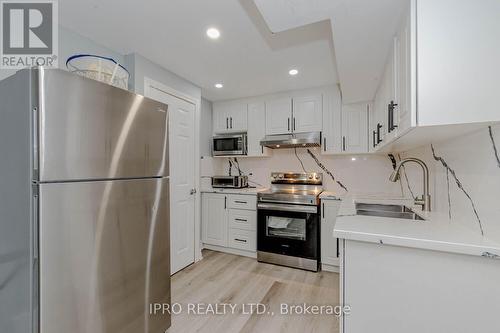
x=84, y=207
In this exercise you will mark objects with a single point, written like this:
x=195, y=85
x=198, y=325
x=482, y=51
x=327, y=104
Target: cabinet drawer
x=242, y=219
x=242, y=239
x=238, y=201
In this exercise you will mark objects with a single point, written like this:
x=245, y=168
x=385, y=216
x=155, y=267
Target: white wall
x=206, y=128
x=473, y=159
x=141, y=67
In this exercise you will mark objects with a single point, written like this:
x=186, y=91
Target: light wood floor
x=225, y=278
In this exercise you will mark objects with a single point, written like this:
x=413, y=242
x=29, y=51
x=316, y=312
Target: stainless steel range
x=288, y=227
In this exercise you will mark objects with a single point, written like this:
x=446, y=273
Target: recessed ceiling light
x=219, y=85
x=213, y=33
x=293, y=72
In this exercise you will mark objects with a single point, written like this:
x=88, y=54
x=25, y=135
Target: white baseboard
x=330, y=268
x=230, y=251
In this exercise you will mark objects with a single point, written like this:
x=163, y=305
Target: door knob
x=193, y=191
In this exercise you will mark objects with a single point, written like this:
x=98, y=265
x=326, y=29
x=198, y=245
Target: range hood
x=310, y=139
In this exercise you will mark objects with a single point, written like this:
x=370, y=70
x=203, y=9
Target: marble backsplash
x=465, y=179
x=358, y=173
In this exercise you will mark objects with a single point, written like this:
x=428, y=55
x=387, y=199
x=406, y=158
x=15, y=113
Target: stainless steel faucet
x=425, y=199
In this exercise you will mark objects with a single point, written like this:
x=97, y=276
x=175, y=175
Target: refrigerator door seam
x=91, y=180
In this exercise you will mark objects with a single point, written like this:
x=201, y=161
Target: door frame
x=153, y=84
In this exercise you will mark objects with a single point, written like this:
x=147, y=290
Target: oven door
x=229, y=145
x=291, y=230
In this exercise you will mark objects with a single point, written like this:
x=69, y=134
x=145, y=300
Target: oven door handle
x=288, y=208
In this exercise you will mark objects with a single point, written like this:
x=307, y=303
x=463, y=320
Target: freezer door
x=91, y=130
x=104, y=256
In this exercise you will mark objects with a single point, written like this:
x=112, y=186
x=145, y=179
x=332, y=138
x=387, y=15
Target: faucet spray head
x=394, y=176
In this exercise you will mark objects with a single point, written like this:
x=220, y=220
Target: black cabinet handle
x=338, y=248
x=241, y=202
x=390, y=111
x=374, y=138
x=240, y=240
x=225, y=202
x=343, y=143
x=241, y=220
x=324, y=143
x=288, y=124
x=294, y=123
x=231, y=122
x=323, y=210
x=379, y=127
x=227, y=123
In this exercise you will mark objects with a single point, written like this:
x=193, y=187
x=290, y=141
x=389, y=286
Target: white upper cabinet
x=257, y=129
x=230, y=117
x=307, y=113
x=457, y=77
x=279, y=116
x=403, y=77
x=458, y=57
x=332, y=121
x=355, y=128
x=295, y=114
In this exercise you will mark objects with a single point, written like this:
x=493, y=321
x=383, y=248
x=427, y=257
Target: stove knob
x=310, y=177
x=317, y=177
x=280, y=176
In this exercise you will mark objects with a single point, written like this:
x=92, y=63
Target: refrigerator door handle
x=35, y=142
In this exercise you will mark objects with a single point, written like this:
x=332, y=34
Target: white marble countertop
x=247, y=190
x=437, y=232
x=326, y=195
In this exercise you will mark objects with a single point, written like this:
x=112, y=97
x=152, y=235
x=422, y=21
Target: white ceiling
x=363, y=31
x=248, y=58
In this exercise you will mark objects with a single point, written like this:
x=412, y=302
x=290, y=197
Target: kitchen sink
x=391, y=211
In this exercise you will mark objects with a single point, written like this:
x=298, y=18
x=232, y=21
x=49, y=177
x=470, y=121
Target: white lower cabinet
x=329, y=244
x=229, y=222
x=401, y=289
x=242, y=219
x=214, y=219
x=242, y=239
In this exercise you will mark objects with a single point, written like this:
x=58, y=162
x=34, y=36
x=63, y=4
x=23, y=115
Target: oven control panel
x=306, y=178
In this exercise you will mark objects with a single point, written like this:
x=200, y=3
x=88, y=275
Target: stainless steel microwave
x=230, y=144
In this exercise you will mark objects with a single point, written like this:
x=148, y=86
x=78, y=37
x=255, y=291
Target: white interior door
x=182, y=175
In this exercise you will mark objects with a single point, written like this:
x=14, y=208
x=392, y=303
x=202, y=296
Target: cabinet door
x=404, y=77
x=230, y=117
x=307, y=113
x=220, y=118
x=237, y=113
x=279, y=116
x=372, y=123
x=329, y=244
x=391, y=81
x=332, y=123
x=214, y=219
x=256, y=129
x=355, y=128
